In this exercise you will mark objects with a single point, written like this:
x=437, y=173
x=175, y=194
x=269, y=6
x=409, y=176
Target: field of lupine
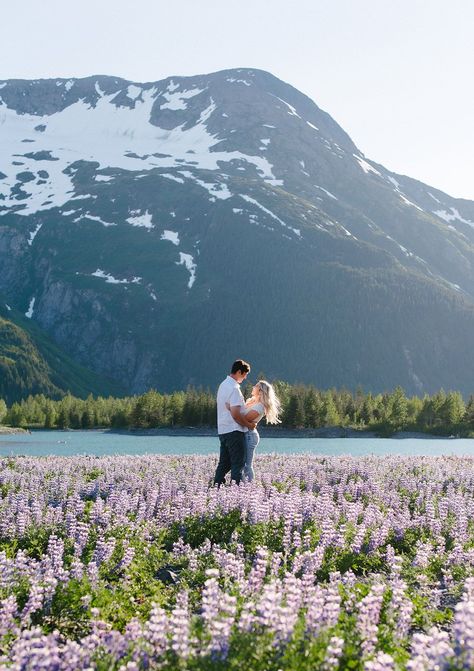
x=131, y=563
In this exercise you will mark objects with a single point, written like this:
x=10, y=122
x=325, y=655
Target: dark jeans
x=232, y=457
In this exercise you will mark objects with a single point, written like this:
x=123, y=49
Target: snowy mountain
x=155, y=231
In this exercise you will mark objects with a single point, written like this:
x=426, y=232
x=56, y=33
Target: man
x=231, y=424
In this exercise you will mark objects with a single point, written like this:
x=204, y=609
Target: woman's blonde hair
x=270, y=402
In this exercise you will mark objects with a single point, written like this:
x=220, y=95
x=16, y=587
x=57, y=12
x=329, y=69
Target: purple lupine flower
x=33, y=603
x=267, y=607
x=155, y=631
x=8, y=613
x=258, y=570
x=93, y=573
x=463, y=631
x=400, y=609
x=368, y=618
x=218, y=612
x=430, y=651
x=130, y=666
x=333, y=653
x=34, y=650
x=180, y=627
x=381, y=662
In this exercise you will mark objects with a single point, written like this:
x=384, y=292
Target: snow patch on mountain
x=141, y=220
x=82, y=196
x=100, y=220
x=328, y=193
x=397, y=190
x=187, y=260
x=452, y=215
x=401, y=247
x=176, y=100
x=110, y=135
x=99, y=90
x=292, y=109
x=171, y=236
x=366, y=167
x=218, y=190
x=94, y=217
x=33, y=234
x=133, y=92
x=296, y=231
x=348, y=233
x=409, y=202
x=29, y=312
x=168, y=175
x=238, y=81
x=110, y=279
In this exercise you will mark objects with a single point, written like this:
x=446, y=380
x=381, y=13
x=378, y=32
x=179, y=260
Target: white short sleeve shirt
x=228, y=392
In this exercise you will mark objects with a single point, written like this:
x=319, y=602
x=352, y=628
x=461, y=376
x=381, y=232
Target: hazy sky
x=397, y=75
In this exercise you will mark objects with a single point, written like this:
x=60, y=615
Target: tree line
x=303, y=407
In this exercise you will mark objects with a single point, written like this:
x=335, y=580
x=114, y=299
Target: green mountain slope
x=31, y=364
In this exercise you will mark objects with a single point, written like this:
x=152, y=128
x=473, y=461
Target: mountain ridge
x=146, y=212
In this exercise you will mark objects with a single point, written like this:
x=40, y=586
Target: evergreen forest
x=303, y=407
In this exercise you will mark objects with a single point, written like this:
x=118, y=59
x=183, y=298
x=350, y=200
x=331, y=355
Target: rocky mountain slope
x=157, y=230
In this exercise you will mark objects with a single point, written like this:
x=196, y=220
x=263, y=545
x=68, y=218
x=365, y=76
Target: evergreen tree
x=367, y=410
x=50, y=417
x=3, y=410
x=469, y=414
x=62, y=419
x=329, y=413
x=294, y=415
x=453, y=409
x=397, y=414
x=312, y=408
x=16, y=416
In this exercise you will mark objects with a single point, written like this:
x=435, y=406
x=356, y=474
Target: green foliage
x=303, y=407
x=3, y=410
x=31, y=364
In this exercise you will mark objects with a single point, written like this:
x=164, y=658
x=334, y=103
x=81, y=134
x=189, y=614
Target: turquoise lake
x=99, y=443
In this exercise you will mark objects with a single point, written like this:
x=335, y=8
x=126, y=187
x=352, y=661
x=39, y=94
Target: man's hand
x=241, y=419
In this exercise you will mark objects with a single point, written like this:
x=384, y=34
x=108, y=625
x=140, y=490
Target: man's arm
x=241, y=419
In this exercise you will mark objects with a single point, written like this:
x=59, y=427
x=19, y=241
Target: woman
x=263, y=402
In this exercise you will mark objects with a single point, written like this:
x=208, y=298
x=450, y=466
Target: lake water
x=99, y=443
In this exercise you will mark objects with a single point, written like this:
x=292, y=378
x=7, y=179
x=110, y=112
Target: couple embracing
x=237, y=422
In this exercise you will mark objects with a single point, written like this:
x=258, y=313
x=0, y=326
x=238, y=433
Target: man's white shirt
x=228, y=392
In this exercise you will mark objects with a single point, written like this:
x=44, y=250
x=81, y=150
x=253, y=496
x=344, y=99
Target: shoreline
x=277, y=432
x=10, y=430
x=264, y=431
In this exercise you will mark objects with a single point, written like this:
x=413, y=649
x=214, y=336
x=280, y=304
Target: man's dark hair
x=240, y=366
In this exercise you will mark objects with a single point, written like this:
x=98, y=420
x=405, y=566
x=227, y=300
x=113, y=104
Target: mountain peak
x=122, y=204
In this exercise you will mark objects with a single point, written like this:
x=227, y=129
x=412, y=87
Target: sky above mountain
x=396, y=76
